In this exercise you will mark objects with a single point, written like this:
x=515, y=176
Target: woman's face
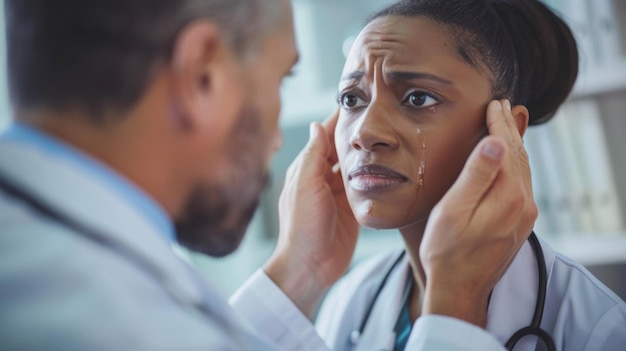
x=412, y=110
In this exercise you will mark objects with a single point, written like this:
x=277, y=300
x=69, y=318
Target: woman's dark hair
x=527, y=51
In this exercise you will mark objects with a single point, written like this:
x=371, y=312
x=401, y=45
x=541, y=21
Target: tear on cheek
x=421, y=167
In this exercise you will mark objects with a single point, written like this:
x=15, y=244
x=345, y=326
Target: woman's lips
x=374, y=178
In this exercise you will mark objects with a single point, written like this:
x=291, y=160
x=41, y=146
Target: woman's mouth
x=372, y=178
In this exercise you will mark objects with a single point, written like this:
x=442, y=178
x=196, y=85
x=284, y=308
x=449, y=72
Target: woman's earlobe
x=521, y=116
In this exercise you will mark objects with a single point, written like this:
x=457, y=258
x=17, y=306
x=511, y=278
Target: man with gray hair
x=141, y=124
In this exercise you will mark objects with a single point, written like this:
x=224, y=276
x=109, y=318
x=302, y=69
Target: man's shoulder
x=59, y=286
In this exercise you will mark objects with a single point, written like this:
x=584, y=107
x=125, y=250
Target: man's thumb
x=318, y=141
x=480, y=171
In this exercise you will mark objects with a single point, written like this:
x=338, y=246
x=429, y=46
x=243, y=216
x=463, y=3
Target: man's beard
x=217, y=215
x=216, y=218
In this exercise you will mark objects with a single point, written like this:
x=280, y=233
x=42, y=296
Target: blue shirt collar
x=108, y=177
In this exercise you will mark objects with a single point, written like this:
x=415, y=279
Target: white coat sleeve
x=432, y=332
x=272, y=315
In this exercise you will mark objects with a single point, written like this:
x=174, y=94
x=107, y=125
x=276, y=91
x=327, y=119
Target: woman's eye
x=420, y=99
x=352, y=101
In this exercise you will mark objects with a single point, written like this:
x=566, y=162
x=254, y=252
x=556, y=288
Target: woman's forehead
x=402, y=40
x=403, y=43
x=410, y=45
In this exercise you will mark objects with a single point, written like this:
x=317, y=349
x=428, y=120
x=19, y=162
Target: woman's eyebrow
x=406, y=76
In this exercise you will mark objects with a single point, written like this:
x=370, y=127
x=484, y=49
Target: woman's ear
x=521, y=115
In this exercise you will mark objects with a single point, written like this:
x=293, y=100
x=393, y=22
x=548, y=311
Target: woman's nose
x=373, y=129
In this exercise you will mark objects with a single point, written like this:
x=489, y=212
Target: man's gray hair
x=246, y=23
x=102, y=54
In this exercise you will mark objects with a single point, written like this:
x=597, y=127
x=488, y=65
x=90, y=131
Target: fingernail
x=312, y=131
x=493, y=150
x=507, y=104
x=499, y=105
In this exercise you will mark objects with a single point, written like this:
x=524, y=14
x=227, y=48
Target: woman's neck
x=412, y=237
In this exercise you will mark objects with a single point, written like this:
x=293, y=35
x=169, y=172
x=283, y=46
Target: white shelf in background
x=600, y=80
x=592, y=249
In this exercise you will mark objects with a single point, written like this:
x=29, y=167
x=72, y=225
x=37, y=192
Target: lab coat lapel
x=513, y=300
x=378, y=334
x=66, y=189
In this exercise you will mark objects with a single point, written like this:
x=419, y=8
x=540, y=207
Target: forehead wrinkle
x=405, y=76
x=374, y=56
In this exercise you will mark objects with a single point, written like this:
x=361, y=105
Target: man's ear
x=521, y=115
x=200, y=64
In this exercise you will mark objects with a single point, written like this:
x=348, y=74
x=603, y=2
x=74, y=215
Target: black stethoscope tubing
x=533, y=329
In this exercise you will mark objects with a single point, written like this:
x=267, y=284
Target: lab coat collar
x=514, y=297
x=378, y=334
x=511, y=306
x=63, y=187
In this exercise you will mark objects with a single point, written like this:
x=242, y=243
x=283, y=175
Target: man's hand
x=474, y=232
x=318, y=231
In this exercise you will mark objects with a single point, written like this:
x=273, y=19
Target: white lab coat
x=118, y=285
x=580, y=313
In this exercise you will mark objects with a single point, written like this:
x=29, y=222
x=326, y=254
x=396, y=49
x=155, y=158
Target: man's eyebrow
x=356, y=75
x=405, y=76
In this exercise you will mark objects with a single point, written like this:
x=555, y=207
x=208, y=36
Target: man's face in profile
x=218, y=212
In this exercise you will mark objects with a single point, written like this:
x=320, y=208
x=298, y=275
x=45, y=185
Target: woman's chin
x=376, y=215
x=380, y=222
x=376, y=222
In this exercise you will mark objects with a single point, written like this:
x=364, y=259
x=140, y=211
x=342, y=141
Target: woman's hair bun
x=547, y=55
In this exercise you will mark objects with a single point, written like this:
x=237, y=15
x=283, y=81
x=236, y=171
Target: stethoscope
x=533, y=329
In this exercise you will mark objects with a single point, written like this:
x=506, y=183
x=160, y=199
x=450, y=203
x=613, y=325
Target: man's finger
x=314, y=155
x=331, y=122
x=329, y=126
x=318, y=141
x=479, y=172
x=496, y=121
x=510, y=121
